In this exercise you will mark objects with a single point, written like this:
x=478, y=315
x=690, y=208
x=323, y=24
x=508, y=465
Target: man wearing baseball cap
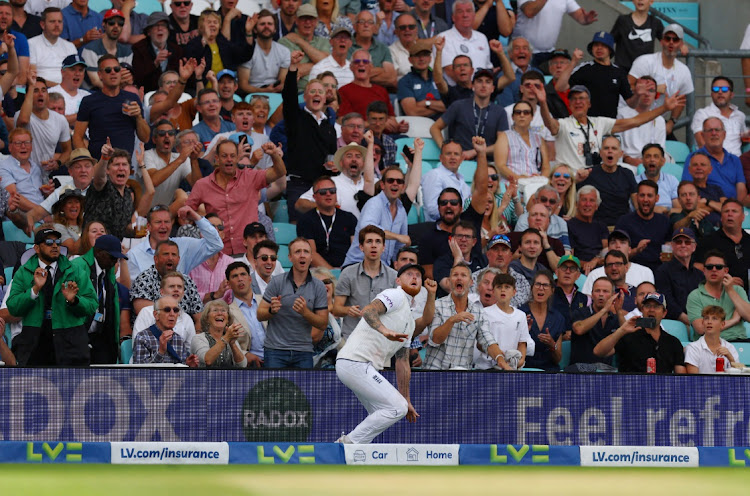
x=636, y=273
x=606, y=81
x=672, y=76
x=113, y=23
x=678, y=277
x=558, y=100
x=417, y=92
x=337, y=62
x=254, y=233
x=104, y=325
x=303, y=38
x=635, y=342
x=73, y=74
x=54, y=298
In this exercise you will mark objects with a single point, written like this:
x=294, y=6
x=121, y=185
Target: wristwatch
x=427, y=103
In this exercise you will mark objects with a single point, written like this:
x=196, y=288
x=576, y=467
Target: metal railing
x=701, y=40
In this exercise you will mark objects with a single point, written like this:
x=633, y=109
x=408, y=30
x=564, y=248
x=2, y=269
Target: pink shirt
x=207, y=280
x=237, y=206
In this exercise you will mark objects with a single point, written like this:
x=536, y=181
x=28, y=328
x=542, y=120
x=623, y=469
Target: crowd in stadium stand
x=231, y=189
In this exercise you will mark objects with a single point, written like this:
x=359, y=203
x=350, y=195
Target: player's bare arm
x=372, y=313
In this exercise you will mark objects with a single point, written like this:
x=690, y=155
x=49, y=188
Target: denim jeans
x=286, y=359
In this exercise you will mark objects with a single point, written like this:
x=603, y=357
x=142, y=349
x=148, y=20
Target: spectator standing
x=73, y=72
x=244, y=309
x=113, y=23
x=731, y=240
x=155, y=54
x=655, y=131
x=635, y=34
x=595, y=322
x=266, y=70
x=462, y=39
x=24, y=22
x=49, y=49
x=183, y=26
x=429, y=25
x=81, y=25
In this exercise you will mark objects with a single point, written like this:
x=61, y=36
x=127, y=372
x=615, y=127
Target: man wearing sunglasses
x=183, y=26
x=168, y=168
x=720, y=288
x=54, y=299
x=160, y=343
x=382, y=71
x=732, y=240
x=722, y=93
x=113, y=23
x=265, y=259
x=328, y=228
x=672, y=76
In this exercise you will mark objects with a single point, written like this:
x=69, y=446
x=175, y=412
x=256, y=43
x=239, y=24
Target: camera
x=592, y=159
x=645, y=322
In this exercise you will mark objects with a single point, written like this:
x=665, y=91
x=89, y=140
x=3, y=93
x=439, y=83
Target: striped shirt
x=458, y=349
x=523, y=159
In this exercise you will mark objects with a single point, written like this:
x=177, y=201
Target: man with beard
x=693, y=212
x=648, y=229
x=553, y=248
x=112, y=24
x=722, y=93
x=385, y=330
x=267, y=68
x=434, y=243
x=457, y=327
x=616, y=268
x=24, y=22
x=653, y=161
x=45, y=285
x=49, y=49
x=446, y=175
x=359, y=282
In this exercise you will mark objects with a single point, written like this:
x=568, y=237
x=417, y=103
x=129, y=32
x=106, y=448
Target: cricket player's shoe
x=344, y=439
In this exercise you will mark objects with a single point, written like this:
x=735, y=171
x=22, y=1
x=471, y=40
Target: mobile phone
x=409, y=154
x=645, y=322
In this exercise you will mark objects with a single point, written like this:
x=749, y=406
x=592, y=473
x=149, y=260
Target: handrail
x=688, y=31
x=691, y=57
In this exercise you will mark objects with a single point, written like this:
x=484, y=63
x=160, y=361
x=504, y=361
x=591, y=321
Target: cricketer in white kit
x=386, y=329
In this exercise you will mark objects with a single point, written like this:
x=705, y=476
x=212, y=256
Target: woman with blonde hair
x=562, y=178
x=218, y=51
x=503, y=208
x=328, y=18
x=68, y=214
x=217, y=345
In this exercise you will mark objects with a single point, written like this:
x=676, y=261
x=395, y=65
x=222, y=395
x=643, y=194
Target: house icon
x=412, y=455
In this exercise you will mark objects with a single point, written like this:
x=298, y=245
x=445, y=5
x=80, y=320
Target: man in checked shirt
x=457, y=326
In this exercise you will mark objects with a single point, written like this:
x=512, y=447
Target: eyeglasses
x=542, y=285
x=355, y=126
x=463, y=236
x=366, y=22
x=360, y=61
x=170, y=309
x=50, y=242
x=614, y=264
x=219, y=227
x=522, y=112
x=159, y=208
x=671, y=39
x=682, y=241
x=714, y=266
x=455, y=202
x=326, y=281
x=404, y=27
x=723, y=89
x=112, y=22
x=397, y=180
x=549, y=201
x=326, y=191
x=165, y=132
x=558, y=175
x=493, y=177
x=569, y=268
x=264, y=258
x=116, y=68
x=181, y=4
x=21, y=143
x=713, y=130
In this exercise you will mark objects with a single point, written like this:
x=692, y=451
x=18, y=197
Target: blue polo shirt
x=413, y=85
x=75, y=24
x=725, y=174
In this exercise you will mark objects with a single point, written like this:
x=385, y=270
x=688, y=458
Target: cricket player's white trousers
x=383, y=402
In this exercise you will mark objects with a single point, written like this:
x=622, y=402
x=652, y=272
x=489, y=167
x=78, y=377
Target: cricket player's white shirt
x=367, y=345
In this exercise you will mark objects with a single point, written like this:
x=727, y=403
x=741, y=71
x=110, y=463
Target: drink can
x=651, y=365
x=719, y=364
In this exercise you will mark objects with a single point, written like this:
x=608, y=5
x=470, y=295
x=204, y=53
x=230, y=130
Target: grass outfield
x=113, y=480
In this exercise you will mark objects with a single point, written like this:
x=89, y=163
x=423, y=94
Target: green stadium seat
x=126, y=351
x=565, y=359
x=281, y=211
x=581, y=281
x=336, y=273
x=431, y=151
x=673, y=169
x=284, y=233
x=678, y=150
x=414, y=215
x=676, y=329
x=743, y=349
x=284, y=257
x=274, y=100
x=468, y=168
x=12, y=233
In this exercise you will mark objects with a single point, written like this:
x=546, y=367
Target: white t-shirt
x=537, y=123
x=677, y=78
x=571, y=136
x=165, y=191
x=477, y=48
x=509, y=329
x=343, y=73
x=746, y=40
x=698, y=354
x=71, y=102
x=367, y=345
x=637, y=274
x=543, y=29
x=345, y=191
x=264, y=68
x=633, y=140
x=46, y=134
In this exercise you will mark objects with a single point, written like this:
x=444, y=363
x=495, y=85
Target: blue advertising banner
x=286, y=454
x=54, y=452
x=507, y=454
x=725, y=457
x=147, y=405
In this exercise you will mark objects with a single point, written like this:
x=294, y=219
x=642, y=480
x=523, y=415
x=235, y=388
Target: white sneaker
x=344, y=439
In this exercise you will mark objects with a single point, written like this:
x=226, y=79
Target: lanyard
x=479, y=123
x=586, y=132
x=328, y=229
